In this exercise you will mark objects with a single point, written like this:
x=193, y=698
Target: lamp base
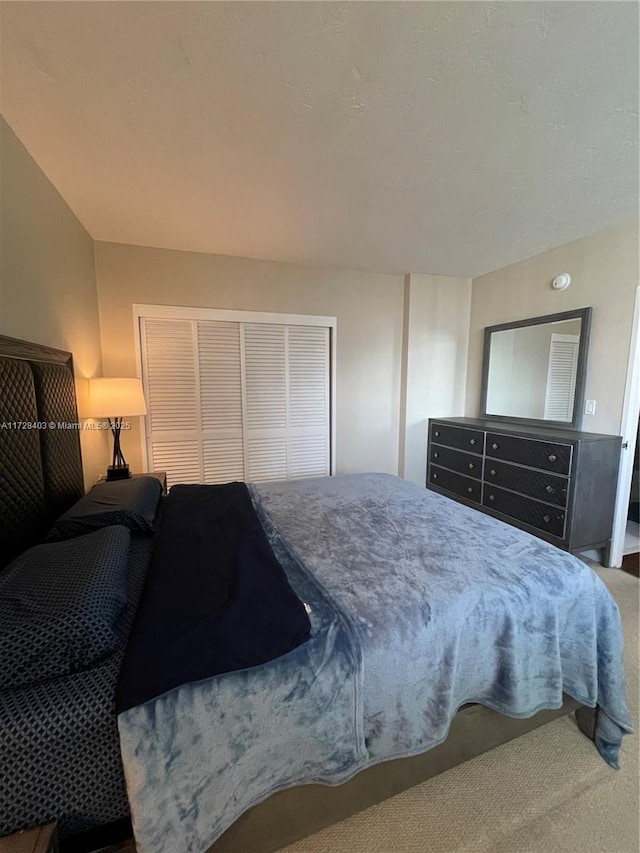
x=118, y=472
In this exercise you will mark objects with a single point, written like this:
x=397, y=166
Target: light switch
x=590, y=407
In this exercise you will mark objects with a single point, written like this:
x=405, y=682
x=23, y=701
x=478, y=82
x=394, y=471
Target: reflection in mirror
x=534, y=370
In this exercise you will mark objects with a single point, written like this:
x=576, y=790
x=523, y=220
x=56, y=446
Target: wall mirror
x=534, y=370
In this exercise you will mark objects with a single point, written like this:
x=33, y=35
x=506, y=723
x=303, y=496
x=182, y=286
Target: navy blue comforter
x=216, y=599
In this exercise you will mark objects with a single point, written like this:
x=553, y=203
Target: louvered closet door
x=171, y=384
x=236, y=401
x=286, y=401
x=308, y=409
x=561, y=377
x=265, y=401
x=220, y=401
x=192, y=375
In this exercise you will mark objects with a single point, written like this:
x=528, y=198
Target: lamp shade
x=110, y=398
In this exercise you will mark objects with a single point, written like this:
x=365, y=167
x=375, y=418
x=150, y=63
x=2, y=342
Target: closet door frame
x=181, y=312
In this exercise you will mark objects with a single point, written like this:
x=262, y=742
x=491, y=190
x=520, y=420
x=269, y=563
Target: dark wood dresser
x=558, y=484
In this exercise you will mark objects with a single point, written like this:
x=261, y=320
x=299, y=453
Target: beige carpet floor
x=547, y=792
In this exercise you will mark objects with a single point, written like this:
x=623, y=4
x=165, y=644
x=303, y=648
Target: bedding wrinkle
x=216, y=598
x=238, y=737
x=70, y=716
x=504, y=586
x=420, y=605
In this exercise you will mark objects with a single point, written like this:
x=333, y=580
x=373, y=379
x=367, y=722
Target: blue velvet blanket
x=418, y=606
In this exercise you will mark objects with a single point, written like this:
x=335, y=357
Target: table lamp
x=116, y=399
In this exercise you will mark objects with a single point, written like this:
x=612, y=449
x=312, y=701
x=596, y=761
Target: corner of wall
x=435, y=345
x=47, y=257
x=402, y=423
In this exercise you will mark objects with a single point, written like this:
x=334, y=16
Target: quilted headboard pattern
x=61, y=468
x=21, y=481
x=40, y=469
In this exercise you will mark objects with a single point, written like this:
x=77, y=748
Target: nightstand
x=43, y=839
x=159, y=475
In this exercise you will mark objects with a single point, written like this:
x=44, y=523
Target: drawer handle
x=550, y=490
x=493, y=472
x=470, y=489
x=546, y=519
x=495, y=446
x=491, y=498
x=552, y=457
x=472, y=442
x=437, y=434
x=471, y=465
x=436, y=455
x=435, y=476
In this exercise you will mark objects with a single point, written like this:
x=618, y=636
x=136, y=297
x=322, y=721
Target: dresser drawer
x=545, y=487
x=455, y=483
x=550, y=519
x=464, y=463
x=463, y=439
x=548, y=455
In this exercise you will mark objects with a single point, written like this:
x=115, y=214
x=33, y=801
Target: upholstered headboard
x=40, y=462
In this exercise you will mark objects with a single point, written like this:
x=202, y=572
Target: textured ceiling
x=440, y=137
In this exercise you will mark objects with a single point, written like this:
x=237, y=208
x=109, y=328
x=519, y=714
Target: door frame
x=629, y=432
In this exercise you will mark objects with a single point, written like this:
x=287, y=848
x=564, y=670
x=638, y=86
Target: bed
x=58, y=737
x=220, y=762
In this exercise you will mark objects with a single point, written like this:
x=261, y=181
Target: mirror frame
x=583, y=314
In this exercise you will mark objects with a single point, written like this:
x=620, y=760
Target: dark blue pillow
x=132, y=503
x=60, y=606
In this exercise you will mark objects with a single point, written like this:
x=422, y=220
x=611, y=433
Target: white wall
x=403, y=346
x=369, y=333
x=604, y=273
x=436, y=336
x=47, y=275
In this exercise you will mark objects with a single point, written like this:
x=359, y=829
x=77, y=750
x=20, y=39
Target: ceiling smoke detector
x=561, y=282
